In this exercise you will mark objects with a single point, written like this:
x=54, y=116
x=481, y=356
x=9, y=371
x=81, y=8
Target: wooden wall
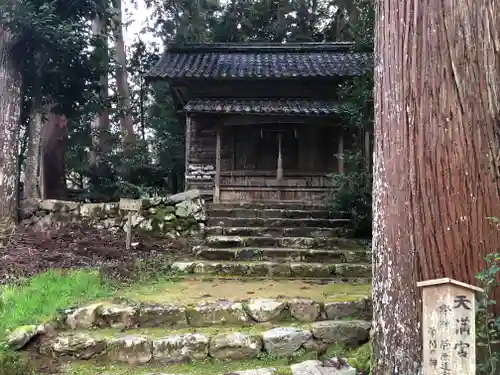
x=309, y=152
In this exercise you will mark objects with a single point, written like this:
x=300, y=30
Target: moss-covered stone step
x=268, y=205
x=300, y=364
x=271, y=213
x=128, y=314
x=287, y=254
x=186, y=291
x=280, y=232
x=323, y=243
x=175, y=346
x=355, y=272
x=276, y=222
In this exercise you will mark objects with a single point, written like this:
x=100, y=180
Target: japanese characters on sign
x=448, y=327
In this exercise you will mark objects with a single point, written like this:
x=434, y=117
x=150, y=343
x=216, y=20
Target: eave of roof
x=265, y=106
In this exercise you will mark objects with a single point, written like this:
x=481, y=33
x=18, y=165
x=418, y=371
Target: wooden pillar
x=368, y=155
x=187, y=150
x=217, y=165
x=340, y=152
x=279, y=172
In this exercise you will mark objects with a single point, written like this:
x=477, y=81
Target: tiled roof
x=264, y=106
x=232, y=61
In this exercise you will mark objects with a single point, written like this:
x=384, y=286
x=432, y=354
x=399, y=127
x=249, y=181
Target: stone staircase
x=281, y=240
x=169, y=329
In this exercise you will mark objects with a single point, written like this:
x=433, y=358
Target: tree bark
x=437, y=112
x=53, y=151
x=100, y=125
x=126, y=119
x=10, y=111
x=32, y=161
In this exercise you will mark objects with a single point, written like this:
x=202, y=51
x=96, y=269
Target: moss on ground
x=254, y=329
x=192, y=291
x=209, y=367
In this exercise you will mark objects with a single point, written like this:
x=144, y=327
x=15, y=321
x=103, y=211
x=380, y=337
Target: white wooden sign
x=448, y=327
x=130, y=205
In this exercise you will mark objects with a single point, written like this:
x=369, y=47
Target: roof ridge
x=261, y=47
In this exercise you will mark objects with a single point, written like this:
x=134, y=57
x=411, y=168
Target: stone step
x=355, y=272
x=127, y=314
x=270, y=213
x=284, y=254
x=280, y=223
x=269, y=205
x=166, y=346
x=276, y=231
x=323, y=243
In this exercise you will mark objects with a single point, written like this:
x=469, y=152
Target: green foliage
x=353, y=188
x=360, y=358
x=38, y=300
x=12, y=363
x=353, y=194
x=488, y=325
x=43, y=294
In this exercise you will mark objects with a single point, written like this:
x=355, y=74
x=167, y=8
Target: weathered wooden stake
x=217, y=164
x=448, y=327
x=130, y=205
x=128, y=241
x=340, y=152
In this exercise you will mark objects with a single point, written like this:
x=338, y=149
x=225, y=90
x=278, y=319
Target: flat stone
x=206, y=314
x=20, y=337
x=344, y=332
x=304, y=310
x=181, y=348
x=55, y=205
x=235, y=346
x=352, y=309
x=315, y=346
x=354, y=270
x=313, y=367
x=184, y=267
x=187, y=208
x=185, y=195
x=266, y=310
x=116, y=316
x=312, y=270
x=83, y=317
x=285, y=341
x=131, y=349
x=258, y=371
x=151, y=316
x=78, y=345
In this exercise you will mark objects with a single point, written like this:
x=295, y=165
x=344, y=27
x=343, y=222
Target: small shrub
x=353, y=194
x=12, y=363
x=360, y=358
x=488, y=326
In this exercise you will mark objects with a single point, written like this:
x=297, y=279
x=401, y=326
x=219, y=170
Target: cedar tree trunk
x=10, y=110
x=437, y=105
x=126, y=119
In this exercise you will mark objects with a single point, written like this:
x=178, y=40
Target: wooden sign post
x=130, y=205
x=448, y=327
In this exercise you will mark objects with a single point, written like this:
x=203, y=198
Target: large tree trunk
x=100, y=124
x=10, y=110
x=126, y=119
x=53, y=151
x=32, y=161
x=437, y=107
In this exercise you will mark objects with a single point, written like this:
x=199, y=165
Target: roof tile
x=249, y=61
x=264, y=106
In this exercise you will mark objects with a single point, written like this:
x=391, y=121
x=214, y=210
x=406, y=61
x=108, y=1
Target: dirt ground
x=27, y=253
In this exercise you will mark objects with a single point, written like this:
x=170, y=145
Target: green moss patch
x=209, y=367
x=187, y=292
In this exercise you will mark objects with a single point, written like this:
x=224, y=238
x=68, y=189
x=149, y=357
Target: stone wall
x=179, y=214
